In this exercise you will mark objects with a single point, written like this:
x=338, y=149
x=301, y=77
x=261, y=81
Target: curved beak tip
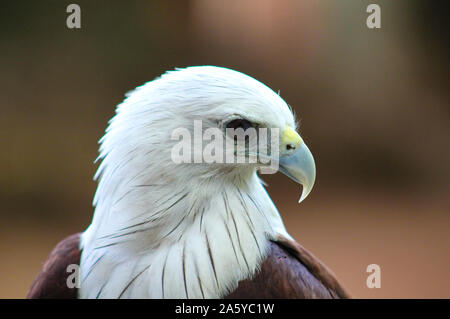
x=305, y=191
x=300, y=166
x=303, y=196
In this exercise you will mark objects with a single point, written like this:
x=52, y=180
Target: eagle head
x=178, y=198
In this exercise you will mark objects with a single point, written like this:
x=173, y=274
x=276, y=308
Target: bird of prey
x=163, y=229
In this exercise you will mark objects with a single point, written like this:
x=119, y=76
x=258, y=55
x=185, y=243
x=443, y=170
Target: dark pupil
x=239, y=123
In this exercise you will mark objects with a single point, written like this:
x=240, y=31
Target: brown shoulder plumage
x=290, y=271
x=51, y=283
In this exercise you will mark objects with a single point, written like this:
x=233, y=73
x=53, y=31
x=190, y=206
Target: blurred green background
x=373, y=105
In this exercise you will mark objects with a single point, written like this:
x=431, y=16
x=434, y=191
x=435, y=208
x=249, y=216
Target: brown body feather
x=289, y=271
x=51, y=282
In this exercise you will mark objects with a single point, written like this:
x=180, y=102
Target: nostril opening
x=290, y=147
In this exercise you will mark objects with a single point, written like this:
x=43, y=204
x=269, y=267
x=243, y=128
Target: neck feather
x=166, y=242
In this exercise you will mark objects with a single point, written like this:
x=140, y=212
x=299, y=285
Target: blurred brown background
x=374, y=108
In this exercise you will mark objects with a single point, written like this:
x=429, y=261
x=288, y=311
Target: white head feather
x=170, y=230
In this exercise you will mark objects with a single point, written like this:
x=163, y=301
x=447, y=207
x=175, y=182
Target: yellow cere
x=291, y=137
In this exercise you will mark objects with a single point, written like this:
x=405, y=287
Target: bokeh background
x=373, y=104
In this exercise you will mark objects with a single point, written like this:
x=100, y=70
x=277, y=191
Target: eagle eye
x=239, y=123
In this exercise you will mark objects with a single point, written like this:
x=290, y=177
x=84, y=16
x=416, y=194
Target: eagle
x=168, y=229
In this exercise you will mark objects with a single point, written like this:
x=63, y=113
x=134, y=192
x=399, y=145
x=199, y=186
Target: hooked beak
x=296, y=161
